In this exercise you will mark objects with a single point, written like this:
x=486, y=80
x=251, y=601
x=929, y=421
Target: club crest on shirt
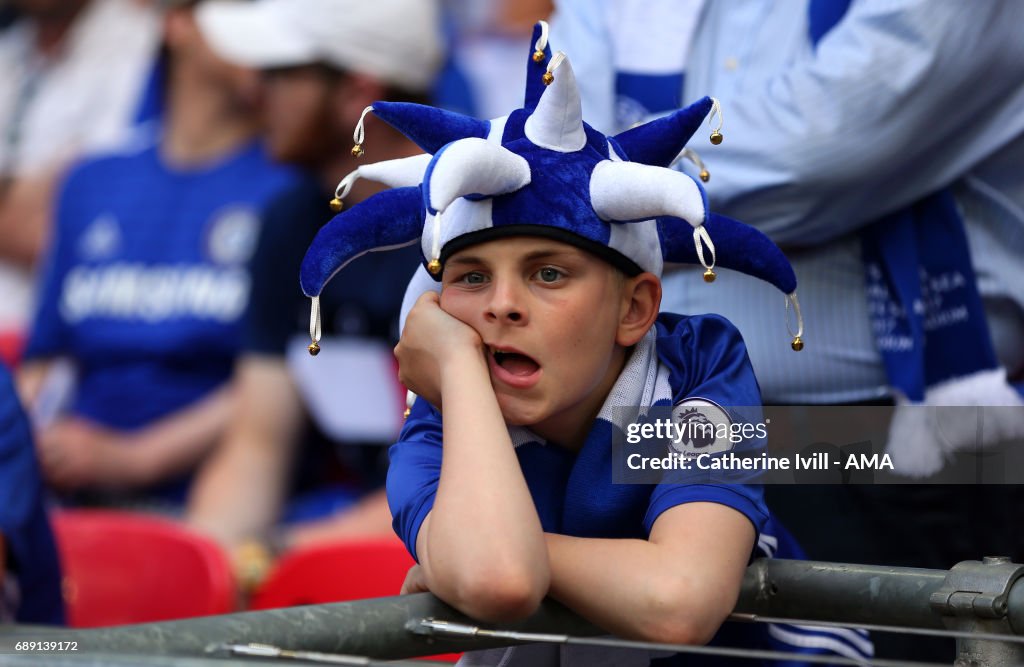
x=233, y=235
x=700, y=427
x=101, y=239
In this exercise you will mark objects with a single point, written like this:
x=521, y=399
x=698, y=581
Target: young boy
x=549, y=240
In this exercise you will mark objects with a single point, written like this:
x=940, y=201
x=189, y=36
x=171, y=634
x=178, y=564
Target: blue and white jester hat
x=541, y=171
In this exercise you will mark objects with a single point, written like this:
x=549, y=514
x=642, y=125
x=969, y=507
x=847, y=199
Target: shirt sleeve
x=414, y=471
x=900, y=99
x=708, y=362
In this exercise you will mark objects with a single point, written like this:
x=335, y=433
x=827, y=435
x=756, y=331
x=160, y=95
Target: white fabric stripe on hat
x=633, y=191
x=497, y=129
x=461, y=217
x=640, y=242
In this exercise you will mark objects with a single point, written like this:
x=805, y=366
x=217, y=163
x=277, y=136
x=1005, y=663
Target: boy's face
x=549, y=315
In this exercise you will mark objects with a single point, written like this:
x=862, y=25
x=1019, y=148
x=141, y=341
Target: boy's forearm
x=636, y=589
x=482, y=547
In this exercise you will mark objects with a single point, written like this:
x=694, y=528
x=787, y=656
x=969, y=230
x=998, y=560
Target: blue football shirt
x=147, y=284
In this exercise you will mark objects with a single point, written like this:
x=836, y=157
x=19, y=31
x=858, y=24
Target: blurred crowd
x=164, y=164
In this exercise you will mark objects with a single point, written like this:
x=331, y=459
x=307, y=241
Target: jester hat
x=541, y=171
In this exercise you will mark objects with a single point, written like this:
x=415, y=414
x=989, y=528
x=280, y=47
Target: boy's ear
x=641, y=302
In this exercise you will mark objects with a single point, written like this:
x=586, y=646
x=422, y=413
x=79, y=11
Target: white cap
x=396, y=41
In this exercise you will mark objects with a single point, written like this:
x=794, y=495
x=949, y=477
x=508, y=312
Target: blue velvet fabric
x=386, y=220
x=559, y=193
x=660, y=141
x=535, y=72
x=429, y=127
x=737, y=246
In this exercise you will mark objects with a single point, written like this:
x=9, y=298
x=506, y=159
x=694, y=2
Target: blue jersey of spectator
x=147, y=284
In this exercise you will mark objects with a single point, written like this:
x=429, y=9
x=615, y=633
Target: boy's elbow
x=678, y=620
x=502, y=596
x=679, y=630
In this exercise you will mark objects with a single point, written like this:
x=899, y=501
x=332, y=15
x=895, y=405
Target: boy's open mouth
x=515, y=363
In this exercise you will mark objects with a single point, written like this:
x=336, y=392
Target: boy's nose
x=506, y=305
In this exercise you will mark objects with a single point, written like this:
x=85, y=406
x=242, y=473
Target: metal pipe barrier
x=984, y=597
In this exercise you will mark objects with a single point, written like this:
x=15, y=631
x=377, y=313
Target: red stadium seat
x=12, y=343
x=122, y=567
x=338, y=572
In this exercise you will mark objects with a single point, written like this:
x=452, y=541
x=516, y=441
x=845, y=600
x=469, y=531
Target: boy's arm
x=677, y=587
x=481, y=547
x=680, y=584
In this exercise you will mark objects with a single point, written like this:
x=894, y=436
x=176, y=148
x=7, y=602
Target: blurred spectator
x=324, y=62
x=146, y=287
x=72, y=72
x=29, y=572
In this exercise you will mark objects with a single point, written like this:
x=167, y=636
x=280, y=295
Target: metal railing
x=979, y=603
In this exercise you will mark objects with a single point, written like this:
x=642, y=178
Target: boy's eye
x=474, y=278
x=549, y=275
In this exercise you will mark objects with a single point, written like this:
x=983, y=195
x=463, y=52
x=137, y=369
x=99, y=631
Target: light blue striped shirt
x=902, y=98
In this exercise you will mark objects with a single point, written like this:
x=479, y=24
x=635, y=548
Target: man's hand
x=75, y=453
x=431, y=339
x=415, y=581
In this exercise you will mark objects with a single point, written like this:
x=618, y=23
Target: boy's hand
x=432, y=340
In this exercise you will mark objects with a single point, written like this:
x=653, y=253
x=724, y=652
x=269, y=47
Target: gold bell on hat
x=548, y=78
x=705, y=175
x=314, y=348
x=434, y=266
x=709, y=275
x=538, y=56
x=405, y=415
x=336, y=205
x=797, y=344
x=357, y=150
x=716, y=137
